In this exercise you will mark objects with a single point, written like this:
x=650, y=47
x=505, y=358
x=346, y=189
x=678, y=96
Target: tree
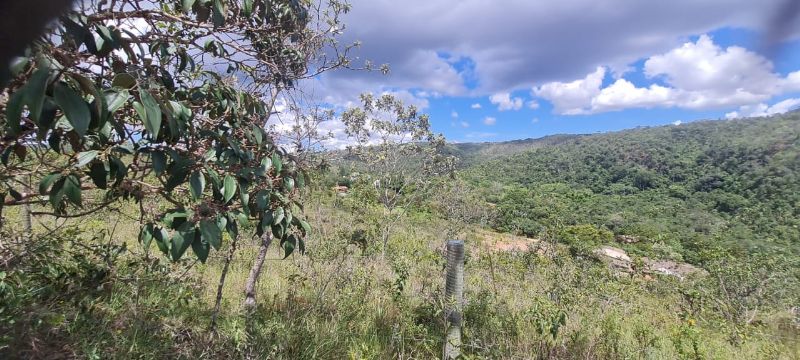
x=167, y=102
x=396, y=146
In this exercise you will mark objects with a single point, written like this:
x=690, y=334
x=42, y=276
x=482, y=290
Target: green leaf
x=117, y=168
x=306, y=227
x=47, y=119
x=242, y=218
x=146, y=235
x=162, y=239
x=229, y=188
x=85, y=157
x=232, y=227
x=301, y=180
x=200, y=248
x=288, y=246
x=262, y=200
x=100, y=113
x=47, y=181
x=181, y=240
x=159, y=160
x=278, y=231
x=116, y=99
x=211, y=232
x=98, y=174
x=14, y=109
x=197, y=183
x=35, y=93
x=277, y=216
x=74, y=107
x=152, y=113
x=72, y=189
x=57, y=193
x=262, y=170
x=123, y=81
x=288, y=184
x=178, y=173
x=276, y=162
x=219, y=13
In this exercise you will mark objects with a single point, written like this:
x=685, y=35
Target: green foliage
x=734, y=184
x=151, y=117
x=398, y=152
x=585, y=238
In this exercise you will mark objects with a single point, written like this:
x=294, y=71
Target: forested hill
x=473, y=153
x=689, y=190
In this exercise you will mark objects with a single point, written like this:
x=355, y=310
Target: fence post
x=454, y=298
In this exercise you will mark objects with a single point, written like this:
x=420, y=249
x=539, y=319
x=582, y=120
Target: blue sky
x=510, y=69
x=469, y=125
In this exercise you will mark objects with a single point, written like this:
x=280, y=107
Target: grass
x=341, y=301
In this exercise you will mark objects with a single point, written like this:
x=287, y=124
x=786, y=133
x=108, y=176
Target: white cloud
x=476, y=106
x=489, y=120
x=516, y=44
x=697, y=75
x=505, y=102
x=464, y=124
x=676, y=123
x=623, y=94
x=533, y=105
x=535, y=120
x=572, y=98
x=454, y=114
x=764, y=109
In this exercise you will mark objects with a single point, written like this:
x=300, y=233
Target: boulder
x=671, y=268
x=616, y=258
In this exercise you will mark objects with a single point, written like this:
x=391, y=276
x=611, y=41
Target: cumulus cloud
x=505, y=102
x=464, y=124
x=489, y=120
x=572, y=98
x=512, y=45
x=764, y=109
x=454, y=114
x=698, y=75
x=476, y=106
x=623, y=94
x=533, y=105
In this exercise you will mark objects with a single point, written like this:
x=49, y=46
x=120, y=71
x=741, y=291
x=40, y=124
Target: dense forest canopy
x=734, y=184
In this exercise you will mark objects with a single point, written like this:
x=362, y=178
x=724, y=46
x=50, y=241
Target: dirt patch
x=501, y=242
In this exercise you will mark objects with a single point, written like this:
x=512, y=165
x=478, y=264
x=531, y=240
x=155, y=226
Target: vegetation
x=121, y=134
x=732, y=185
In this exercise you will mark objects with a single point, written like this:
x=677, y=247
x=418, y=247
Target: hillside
x=473, y=153
x=733, y=185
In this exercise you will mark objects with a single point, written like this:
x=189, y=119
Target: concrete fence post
x=454, y=299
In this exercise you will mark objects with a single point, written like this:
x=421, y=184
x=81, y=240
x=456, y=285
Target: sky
x=496, y=70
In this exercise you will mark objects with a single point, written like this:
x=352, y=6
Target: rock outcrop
x=617, y=259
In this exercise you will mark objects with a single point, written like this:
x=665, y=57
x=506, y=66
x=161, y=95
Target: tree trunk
x=221, y=286
x=255, y=273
